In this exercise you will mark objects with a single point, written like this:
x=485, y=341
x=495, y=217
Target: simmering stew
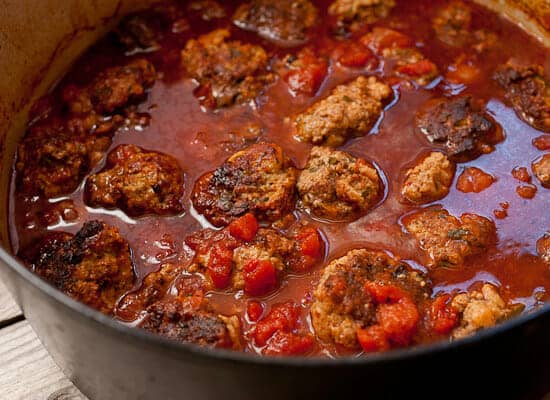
x=295, y=177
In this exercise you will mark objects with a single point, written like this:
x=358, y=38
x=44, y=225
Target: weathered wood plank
x=8, y=308
x=26, y=369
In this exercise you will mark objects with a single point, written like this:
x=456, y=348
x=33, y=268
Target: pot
x=107, y=360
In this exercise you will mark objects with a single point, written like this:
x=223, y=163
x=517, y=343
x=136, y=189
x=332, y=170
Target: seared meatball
x=244, y=256
x=112, y=89
x=452, y=24
x=137, y=181
x=259, y=179
x=94, y=266
x=541, y=169
x=338, y=186
x=459, y=124
x=429, y=180
x=285, y=21
x=448, y=240
x=52, y=160
x=355, y=12
x=479, y=310
x=529, y=92
x=342, y=305
x=350, y=110
x=175, y=319
x=228, y=72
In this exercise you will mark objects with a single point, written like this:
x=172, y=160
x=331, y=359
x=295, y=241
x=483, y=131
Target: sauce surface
x=201, y=139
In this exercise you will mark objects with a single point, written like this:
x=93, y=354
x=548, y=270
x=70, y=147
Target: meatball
x=343, y=305
x=137, y=181
x=285, y=21
x=228, y=72
x=350, y=110
x=355, y=12
x=259, y=179
x=338, y=186
x=543, y=247
x=459, y=124
x=479, y=310
x=244, y=256
x=176, y=320
x=429, y=180
x=448, y=240
x=112, y=89
x=94, y=266
x=52, y=159
x=452, y=24
x=541, y=169
x=528, y=90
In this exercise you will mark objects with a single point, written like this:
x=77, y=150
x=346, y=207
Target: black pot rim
x=176, y=348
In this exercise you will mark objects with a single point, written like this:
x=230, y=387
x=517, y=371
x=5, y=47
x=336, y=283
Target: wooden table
x=26, y=369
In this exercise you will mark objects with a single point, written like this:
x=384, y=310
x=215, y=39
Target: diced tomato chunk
x=244, y=228
x=282, y=317
x=527, y=191
x=474, y=180
x=220, y=265
x=290, y=344
x=306, y=73
x=254, y=310
x=521, y=174
x=383, y=38
x=417, y=69
x=373, y=339
x=260, y=277
x=542, y=142
x=442, y=318
x=309, y=242
x=384, y=293
x=354, y=55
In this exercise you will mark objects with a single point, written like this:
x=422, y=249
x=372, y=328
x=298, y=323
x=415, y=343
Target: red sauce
x=202, y=139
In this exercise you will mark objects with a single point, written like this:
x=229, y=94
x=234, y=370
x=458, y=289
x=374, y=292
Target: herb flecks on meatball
x=460, y=125
x=284, y=21
x=360, y=294
x=429, y=180
x=228, y=72
x=338, y=186
x=259, y=179
x=350, y=110
x=93, y=266
x=139, y=182
x=447, y=240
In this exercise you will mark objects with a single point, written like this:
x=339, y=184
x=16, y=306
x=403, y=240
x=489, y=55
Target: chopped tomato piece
x=384, y=293
x=474, y=180
x=527, y=191
x=354, y=55
x=542, y=142
x=254, y=310
x=220, y=265
x=417, y=69
x=442, y=318
x=244, y=228
x=373, y=339
x=521, y=174
x=382, y=38
x=260, y=277
x=282, y=317
x=285, y=343
x=306, y=73
x=310, y=242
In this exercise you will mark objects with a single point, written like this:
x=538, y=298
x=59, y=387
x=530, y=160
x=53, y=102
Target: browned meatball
x=541, y=169
x=52, y=160
x=429, y=180
x=529, y=92
x=285, y=21
x=452, y=24
x=447, y=239
x=259, y=179
x=480, y=310
x=338, y=186
x=350, y=110
x=176, y=319
x=356, y=12
x=342, y=305
x=459, y=124
x=228, y=72
x=94, y=266
x=137, y=181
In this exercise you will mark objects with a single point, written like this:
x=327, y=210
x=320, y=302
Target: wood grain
x=27, y=370
x=8, y=309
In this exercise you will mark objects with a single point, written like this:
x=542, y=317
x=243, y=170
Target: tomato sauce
x=201, y=139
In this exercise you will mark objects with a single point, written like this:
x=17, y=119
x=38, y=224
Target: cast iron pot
x=106, y=360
